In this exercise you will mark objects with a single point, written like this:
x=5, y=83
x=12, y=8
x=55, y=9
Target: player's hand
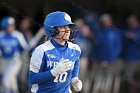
x=77, y=84
x=63, y=66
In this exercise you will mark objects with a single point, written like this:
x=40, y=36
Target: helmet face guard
x=73, y=33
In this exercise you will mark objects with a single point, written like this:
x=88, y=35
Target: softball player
x=54, y=65
x=12, y=43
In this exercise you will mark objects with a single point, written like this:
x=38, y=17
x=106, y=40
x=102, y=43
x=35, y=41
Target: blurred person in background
x=25, y=28
x=83, y=40
x=12, y=43
x=106, y=50
x=131, y=52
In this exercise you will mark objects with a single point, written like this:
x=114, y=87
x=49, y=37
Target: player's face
x=107, y=22
x=133, y=23
x=11, y=28
x=64, y=32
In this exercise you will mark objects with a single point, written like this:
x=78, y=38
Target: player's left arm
x=76, y=82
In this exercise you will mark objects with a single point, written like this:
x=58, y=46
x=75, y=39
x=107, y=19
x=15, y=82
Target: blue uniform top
x=82, y=41
x=107, y=45
x=132, y=47
x=44, y=58
x=11, y=44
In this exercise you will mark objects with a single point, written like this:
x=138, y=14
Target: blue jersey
x=107, y=45
x=11, y=44
x=44, y=58
x=131, y=51
x=82, y=41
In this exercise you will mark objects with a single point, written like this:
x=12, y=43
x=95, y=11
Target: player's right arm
x=37, y=62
